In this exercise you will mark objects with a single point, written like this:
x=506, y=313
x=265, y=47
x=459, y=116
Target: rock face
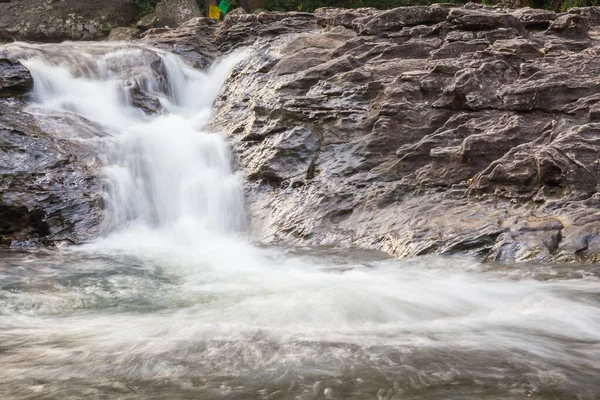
x=173, y=13
x=420, y=130
x=55, y=21
x=49, y=186
x=191, y=41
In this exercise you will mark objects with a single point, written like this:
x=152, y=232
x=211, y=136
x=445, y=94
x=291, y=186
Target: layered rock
x=420, y=130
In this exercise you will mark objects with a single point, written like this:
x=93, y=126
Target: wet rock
x=14, y=77
x=471, y=134
x=173, y=13
x=56, y=21
x=192, y=41
x=50, y=189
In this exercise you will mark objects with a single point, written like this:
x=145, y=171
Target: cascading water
x=163, y=173
x=173, y=303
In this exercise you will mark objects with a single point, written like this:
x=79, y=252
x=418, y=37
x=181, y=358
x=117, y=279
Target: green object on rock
x=224, y=6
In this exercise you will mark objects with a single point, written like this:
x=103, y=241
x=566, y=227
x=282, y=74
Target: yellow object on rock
x=214, y=12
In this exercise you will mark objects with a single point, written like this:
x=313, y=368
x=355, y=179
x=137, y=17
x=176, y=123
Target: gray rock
x=472, y=135
x=55, y=21
x=192, y=41
x=592, y=13
x=146, y=22
x=397, y=18
x=173, y=13
x=15, y=79
x=533, y=18
x=570, y=25
x=50, y=190
x=123, y=33
x=480, y=20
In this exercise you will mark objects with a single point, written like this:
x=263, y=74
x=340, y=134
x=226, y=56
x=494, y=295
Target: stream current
x=174, y=301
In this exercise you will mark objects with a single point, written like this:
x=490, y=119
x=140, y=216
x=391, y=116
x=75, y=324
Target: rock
x=146, y=22
x=397, y=18
x=55, y=21
x=124, y=34
x=472, y=135
x=50, y=190
x=192, y=41
x=173, y=13
x=14, y=78
x=533, y=18
x=479, y=20
x=592, y=14
x=235, y=11
x=572, y=26
x=526, y=49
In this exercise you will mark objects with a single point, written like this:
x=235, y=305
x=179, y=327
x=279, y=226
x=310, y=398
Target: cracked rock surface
x=419, y=130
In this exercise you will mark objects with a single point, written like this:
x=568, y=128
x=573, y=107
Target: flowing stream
x=173, y=301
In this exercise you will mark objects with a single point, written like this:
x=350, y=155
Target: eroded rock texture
x=420, y=130
x=50, y=189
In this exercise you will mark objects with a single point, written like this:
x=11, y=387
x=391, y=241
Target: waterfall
x=171, y=303
x=164, y=173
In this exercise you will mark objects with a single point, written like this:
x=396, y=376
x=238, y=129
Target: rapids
x=174, y=301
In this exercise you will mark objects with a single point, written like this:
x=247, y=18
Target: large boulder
x=55, y=21
x=172, y=13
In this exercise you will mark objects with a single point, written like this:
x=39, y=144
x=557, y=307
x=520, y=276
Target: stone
x=173, y=13
x=572, y=26
x=533, y=18
x=474, y=135
x=479, y=20
x=50, y=190
x=524, y=48
x=397, y=18
x=192, y=41
x=124, y=34
x=56, y=21
x=146, y=22
x=14, y=78
x=592, y=14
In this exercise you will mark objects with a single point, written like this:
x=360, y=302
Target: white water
x=172, y=292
